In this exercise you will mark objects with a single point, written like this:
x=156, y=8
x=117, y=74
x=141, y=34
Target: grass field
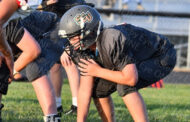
x=169, y=104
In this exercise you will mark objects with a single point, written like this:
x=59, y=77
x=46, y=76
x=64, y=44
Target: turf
x=169, y=104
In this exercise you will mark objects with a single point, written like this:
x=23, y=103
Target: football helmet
x=83, y=21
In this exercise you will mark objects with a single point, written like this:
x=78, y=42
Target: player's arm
x=127, y=76
x=30, y=51
x=7, y=8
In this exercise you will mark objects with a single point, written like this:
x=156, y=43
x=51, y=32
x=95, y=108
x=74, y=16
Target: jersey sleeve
x=114, y=50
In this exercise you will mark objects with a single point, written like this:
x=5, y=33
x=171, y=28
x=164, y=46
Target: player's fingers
x=92, y=61
x=62, y=62
x=83, y=73
x=82, y=66
x=84, y=61
x=10, y=80
x=66, y=62
x=69, y=61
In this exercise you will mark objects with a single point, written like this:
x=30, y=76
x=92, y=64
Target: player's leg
x=102, y=91
x=1, y=106
x=73, y=77
x=136, y=106
x=134, y=102
x=57, y=81
x=84, y=97
x=105, y=108
x=4, y=76
x=46, y=97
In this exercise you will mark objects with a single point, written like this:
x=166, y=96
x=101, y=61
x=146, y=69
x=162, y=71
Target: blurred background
x=168, y=17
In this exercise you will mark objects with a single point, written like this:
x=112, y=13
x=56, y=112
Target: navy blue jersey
x=124, y=44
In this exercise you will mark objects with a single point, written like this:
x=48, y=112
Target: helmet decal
x=86, y=18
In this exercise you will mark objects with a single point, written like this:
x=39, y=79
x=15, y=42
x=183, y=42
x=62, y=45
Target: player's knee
x=56, y=68
x=133, y=81
x=124, y=90
x=33, y=71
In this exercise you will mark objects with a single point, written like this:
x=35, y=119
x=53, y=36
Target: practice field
x=169, y=104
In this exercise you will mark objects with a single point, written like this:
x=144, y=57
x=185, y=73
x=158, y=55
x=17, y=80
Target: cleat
x=59, y=110
x=53, y=118
x=73, y=110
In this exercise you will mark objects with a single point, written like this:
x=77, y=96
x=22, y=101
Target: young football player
x=37, y=54
x=60, y=7
x=124, y=57
x=7, y=8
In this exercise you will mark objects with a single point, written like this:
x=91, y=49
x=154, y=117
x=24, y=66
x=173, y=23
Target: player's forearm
x=23, y=60
x=117, y=77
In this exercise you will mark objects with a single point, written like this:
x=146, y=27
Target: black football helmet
x=84, y=21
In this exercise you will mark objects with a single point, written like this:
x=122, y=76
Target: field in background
x=169, y=104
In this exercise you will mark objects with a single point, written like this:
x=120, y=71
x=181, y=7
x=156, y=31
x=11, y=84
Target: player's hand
x=88, y=67
x=65, y=59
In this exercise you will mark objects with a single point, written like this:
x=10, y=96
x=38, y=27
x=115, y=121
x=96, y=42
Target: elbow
x=36, y=52
x=133, y=81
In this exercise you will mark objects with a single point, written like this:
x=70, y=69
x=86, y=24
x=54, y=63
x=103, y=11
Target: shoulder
x=111, y=31
x=110, y=34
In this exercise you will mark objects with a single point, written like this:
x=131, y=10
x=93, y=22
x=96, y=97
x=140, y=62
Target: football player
x=123, y=58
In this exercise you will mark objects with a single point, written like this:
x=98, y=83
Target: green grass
x=169, y=104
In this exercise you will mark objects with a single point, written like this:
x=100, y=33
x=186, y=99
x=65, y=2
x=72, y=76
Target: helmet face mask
x=82, y=43
x=83, y=21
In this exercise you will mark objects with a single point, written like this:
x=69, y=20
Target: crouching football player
x=124, y=57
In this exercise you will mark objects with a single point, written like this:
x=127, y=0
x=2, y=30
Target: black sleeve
x=13, y=34
x=114, y=52
x=14, y=31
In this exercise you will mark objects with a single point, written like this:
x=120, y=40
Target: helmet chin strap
x=98, y=31
x=82, y=33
